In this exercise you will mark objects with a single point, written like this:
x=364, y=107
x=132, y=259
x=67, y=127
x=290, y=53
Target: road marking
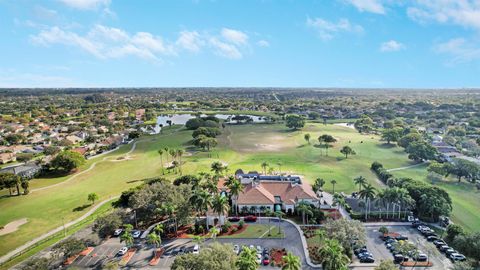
x=261, y=236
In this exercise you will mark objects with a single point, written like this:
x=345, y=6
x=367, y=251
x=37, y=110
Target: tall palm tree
x=338, y=201
x=220, y=205
x=333, y=182
x=127, y=236
x=229, y=180
x=305, y=209
x=264, y=167
x=236, y=188
x=247, y=260
x=268, y=213
x=160, y=152
x=333, y=257
x=154, y=239
x=291, y=262
x=179, y=154
x=167, y=151
x=360, y=181
x=201, y=201
x=367, y=194
x=404, y=200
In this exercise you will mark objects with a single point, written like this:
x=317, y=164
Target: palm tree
x=217, y=167
x=360, y=181
x=268, y=213
x=304, y=208
x=159, y=229
x=127, y=236
x=154, y=239
x=236, y=188
x=279, y=215
x=201, y=201
x=338, y=200
x=166, y=150
x=264, y=167
x=333, y=182
x=214, y=232
x=318, y=185
x=179, y=154
x=247, y=260
x=291, y=262
x=332, y=256
x=160, y=152
x=175, y=166
x=220, y=205
x=367, y=194
x=404, y=199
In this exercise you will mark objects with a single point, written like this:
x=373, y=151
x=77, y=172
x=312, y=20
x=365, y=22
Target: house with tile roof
x=275, y=195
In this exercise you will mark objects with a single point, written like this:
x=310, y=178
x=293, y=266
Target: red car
x=266, y=260
x=234, y=219
x=250, y=218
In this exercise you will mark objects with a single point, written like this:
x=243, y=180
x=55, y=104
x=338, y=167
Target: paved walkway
x=406, y=167
x=58, y=229
x=84, y=171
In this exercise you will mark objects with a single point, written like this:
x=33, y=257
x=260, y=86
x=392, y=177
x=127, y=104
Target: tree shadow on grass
x=387, y=146
x=81, y=208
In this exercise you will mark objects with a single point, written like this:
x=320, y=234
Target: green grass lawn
x=465, y=196
x=241, y=146
x=258, y=231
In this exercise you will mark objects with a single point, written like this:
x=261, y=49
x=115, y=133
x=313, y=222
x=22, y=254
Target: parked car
x=136, y=234
x=421, y=257
x=443, y=248
x=234, y=219
x=457, y=257
x=266, y=260
x=182, y=250
x=236, y=249
x=450, y=251
x=390, y=241
x=117, y=232
x=439, y=242
x=367, y=259
x=259, y=259
x=250, y=219
x=411, y=218
x=432, y=238
x=265, y=251
x=360, y=250
x=401, y=237
x=196, y=249
x=175, y=251
x=259, y=250
x=365, y=254
x=398, y=258
x=122, y=251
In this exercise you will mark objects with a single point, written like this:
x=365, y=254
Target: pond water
x=181, y=119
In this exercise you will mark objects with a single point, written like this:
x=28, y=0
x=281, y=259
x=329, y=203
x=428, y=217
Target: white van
x=196, y=249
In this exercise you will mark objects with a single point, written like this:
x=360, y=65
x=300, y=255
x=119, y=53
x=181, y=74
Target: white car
x=236, y=249
x=122, y=251
x=259, y=250
x=251, y=247
x=136, y=234
x=259, y=259
x=117, y=232
x=196, y=249
x=457, y=257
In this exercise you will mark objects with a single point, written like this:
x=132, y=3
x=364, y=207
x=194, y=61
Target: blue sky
x=283, y=43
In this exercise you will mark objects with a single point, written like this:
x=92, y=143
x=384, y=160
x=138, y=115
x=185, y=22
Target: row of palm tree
x=388, y=197
x=176, y=157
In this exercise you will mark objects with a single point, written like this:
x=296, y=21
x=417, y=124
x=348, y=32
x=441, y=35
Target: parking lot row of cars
x=441, y=245
x=263, y=254
x=363, y=255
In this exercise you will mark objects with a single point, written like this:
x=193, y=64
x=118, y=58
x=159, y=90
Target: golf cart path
x=406, y=167
x=58, y=229
x=84, y=171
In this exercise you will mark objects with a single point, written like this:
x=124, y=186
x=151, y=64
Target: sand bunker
x=348, y=125
x=13, y=226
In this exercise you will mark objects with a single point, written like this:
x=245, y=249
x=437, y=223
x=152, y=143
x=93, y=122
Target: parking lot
x=377, y=247
x=108, y=250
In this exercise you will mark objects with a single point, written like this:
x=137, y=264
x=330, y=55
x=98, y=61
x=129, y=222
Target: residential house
x=7, y=157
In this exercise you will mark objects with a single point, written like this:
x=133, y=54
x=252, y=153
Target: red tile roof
x=265, y=192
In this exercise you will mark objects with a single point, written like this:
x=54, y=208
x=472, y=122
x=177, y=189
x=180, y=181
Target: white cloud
x=372, y=6
x=327, y=30
x=391, y=46
x=225, y=49
x=465, y=13
x=14, y=79
x=108, y=42
x=263, y=43
x=234, y=36
x=190, y=40
x=459, y=49
x=86, y=4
